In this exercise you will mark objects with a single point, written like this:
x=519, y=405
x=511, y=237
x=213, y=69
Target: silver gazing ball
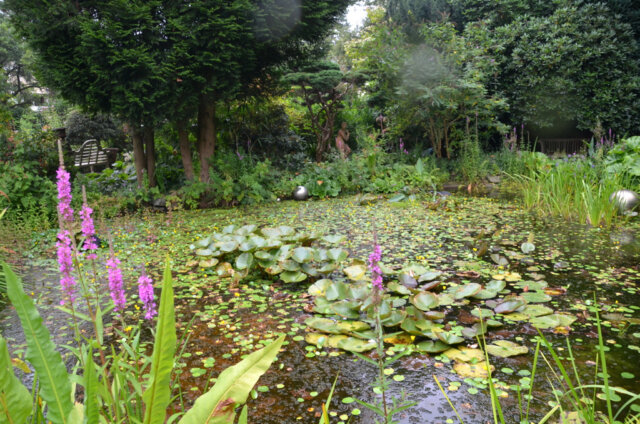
x=301, y=193
x=625, y=199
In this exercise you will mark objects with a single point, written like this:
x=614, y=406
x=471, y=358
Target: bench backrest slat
x=90, y=154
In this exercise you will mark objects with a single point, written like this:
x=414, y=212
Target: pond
x=225, y=318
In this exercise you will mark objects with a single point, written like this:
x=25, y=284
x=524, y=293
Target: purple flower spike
x=116, y=284
x=145, y=291
x=65, y=263
x=64, y=195
x=88, y=231
x=376, y=272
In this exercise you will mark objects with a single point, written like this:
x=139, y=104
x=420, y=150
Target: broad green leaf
x=425, y=300
x=15, y=400
x=355, y=272
x=510, y=304
x=302, y=254
x=527, y=248
x=432, y=346
x=55, y=384
x=232, y=388
x=337, y=254
x=319, y=288
x=293, y=276
x=157, y=396
x=244, y=261
x=352, y=344
x=91, y=410
x=334, y=238
x=323, y=324
x=229, y=246
x=505, y=349
x=468, y=290
x=337, y=291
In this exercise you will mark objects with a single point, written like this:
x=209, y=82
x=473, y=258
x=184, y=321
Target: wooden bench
x=561, y=145
x=90, y=155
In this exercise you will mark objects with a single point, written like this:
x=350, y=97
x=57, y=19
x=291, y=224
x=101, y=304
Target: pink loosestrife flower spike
x=65, y=263
x=116, y=285
x=88, y=231
x=376, y=272
x=64, y=195
x=145, y=291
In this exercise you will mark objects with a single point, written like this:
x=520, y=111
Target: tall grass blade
x=54, y=382
x=448, y=400
x=603, y=361
x=324, y=419
x=15, y=400
x=217, y=406
x=158, y=394
x=90, y=389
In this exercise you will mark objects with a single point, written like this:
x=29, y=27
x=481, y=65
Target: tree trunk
x=138, y=153
x=324, y=137
x=185, y=149
x=149, y=142
x=206, y=135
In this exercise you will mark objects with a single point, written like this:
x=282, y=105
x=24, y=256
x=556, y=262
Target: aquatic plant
x=218, y=405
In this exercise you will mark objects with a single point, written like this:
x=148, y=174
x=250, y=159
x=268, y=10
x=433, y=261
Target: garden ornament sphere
x=301, y=193
x=625, y=200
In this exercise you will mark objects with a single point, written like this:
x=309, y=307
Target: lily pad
x=208, y=263
x=352, y=344
x=319, y=288
x=352, y=326
x=398, y=288
x=467, y=290
x=505, y=349
x=302, y=254
x=432, y=346
x=553, y=321
x=510, y=304
x=326, y=340
x=293, y=276
x=244, y=261
x=323, y=324
x=425, y=300
x=536, y=297
x=337, y=290
x=464, y=354
x=447, y=336
x=477, y=370
x=355, y=272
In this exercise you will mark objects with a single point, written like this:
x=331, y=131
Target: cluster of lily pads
x=278, y=251
x=420, y=308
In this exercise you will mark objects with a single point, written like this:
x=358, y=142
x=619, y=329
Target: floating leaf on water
x=555, y=291
x=536, y=297
x=537, y=310
x=273, y=269
x=352, y=326
x=467, y=290
x=396, y=318
x=205, y=252
x=505, y=349
x=512, y=277
x=399, y=339
x=319, y=288
x=324, y=340
x=485, y=294
x=351, y=344
x=334, y=238
x=477, y=370
x=495, y=285
x=398, y=288
x=499, y=259
x=208, y=263
x=407, y=280
x=290, y=265
x=434, y=315
x=531, y=285
x=224, y=270
x=355, y=272
x=337, y=290
x=517, y=316
x=445, y=299
x=429, y=276
x=432, y=346
x=346, y=309
x=464, y=354
x=203, y=242
x=309, y=269
x=337, y=254
x=510, y=304
x=482, y=313
x=430, y=285
x=229, y=246
x=448, y=337
x=425, y=300
x=527, y=248
x=244, y=261
x=553, y=321
x=293, y=276
x=264, y=255
x=323, y=324
x=327, y=268
x=302, y=254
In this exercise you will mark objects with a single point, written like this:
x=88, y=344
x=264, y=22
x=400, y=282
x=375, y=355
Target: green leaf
x=157, y=396
x=333, y=239
x=355, y=272
x=293, y=276
x=55, y=384
x=337, y=254
x=15, y=400
x=232, y=388
x=302, y=254
x=425, y=300
x=92, y=412
x=244, y=261
x=527, y=248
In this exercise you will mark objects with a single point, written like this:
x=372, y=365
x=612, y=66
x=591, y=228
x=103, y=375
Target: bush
x=624, y=159
x=27, y=192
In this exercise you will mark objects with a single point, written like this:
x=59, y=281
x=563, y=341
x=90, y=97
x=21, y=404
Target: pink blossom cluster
x=116, y=286
x=65, y=263
x=376, y=272
x=64, y=195
x=145, y=291
x=88, y=231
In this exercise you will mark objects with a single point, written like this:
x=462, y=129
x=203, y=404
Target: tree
x=444, y=84
x=152, y=60
x=322, y=86
x=576, y=65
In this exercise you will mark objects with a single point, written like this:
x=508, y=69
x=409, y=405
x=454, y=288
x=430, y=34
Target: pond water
x=233, y=318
